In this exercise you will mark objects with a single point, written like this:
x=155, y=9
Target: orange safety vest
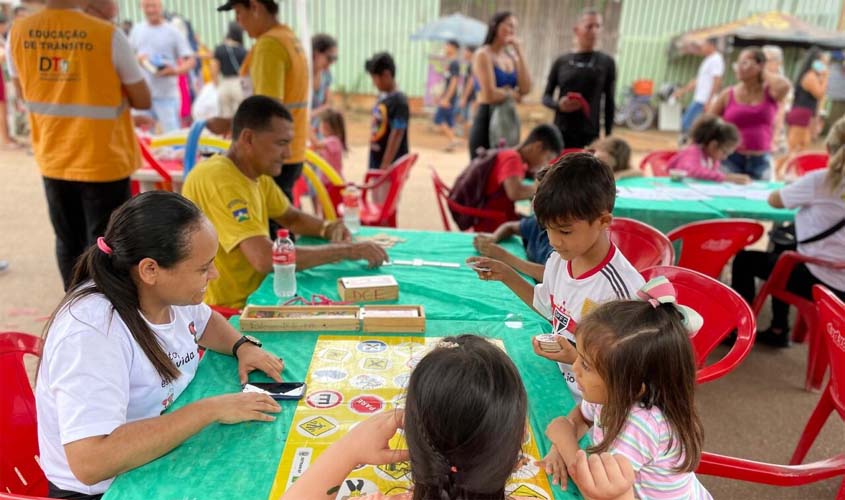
x=81, y=125
x=296, y=90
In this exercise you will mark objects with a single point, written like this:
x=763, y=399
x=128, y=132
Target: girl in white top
x=123, y=344
x=819, y=197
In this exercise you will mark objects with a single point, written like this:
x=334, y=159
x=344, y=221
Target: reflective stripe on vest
x=295, y=105
x=77, y=110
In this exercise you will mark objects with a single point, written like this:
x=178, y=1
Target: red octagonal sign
x=366, y=404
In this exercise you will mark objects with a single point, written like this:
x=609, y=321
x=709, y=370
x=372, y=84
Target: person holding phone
x=500, y=74
x=123, y=344
x=580, y=79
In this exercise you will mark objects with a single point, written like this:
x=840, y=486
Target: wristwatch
x=241, y=341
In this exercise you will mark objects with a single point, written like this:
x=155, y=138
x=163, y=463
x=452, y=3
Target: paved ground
x=757, y=412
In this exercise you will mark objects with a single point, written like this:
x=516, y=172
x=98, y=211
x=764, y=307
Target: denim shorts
x=445, y=115
x=755, y=166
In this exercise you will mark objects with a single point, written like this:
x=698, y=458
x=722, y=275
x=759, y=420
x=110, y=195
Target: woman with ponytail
x=123, y=344
x=819, y=197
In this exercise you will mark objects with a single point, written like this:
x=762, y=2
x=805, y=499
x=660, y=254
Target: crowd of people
x=141, y=272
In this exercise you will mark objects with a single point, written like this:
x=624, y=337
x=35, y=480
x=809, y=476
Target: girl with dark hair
x=123, y=344
x=500, y=74
x=712, y=140
x=464, y=423
x=636, y=371
x=752, y=105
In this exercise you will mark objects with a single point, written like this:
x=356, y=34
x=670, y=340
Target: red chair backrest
x=441, y=191
x=723, y=311
x=658, y=161
x=643, y=245
x=394, y=178
x=19, y=469
x=807, y=162
x=707, y=245
x=831, y=326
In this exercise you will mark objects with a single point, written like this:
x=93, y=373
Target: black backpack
x=469, y=187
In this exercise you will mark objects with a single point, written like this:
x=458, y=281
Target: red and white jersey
x=564, y=300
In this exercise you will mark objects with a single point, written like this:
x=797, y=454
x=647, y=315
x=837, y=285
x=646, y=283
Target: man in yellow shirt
x=237, y=195
x=78, y=78
x=276, y=67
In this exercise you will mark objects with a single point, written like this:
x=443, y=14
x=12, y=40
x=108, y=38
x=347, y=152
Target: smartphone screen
x=276, y=390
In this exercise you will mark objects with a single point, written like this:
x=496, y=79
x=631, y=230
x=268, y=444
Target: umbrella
x=771, y=27
x=465, y=30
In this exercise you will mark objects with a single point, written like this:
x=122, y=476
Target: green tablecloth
x=669, y=214
x=240, y=461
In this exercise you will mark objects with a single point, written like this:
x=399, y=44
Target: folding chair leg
x=814, y=425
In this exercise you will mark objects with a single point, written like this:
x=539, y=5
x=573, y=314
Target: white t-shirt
x=94, y=378
x=818, y=210
x=163, y=45
x=565, y=300
x=712, y=66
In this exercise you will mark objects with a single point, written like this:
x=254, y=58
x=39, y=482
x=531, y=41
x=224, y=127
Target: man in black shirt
x=580, y=79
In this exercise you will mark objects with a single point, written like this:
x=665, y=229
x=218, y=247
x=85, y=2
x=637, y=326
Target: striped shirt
x=564, y=300
x=645, y=440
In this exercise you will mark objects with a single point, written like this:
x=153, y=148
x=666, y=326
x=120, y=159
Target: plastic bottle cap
x=282, y=233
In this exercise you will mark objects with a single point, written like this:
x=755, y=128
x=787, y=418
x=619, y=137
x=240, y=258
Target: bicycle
x=636, y=110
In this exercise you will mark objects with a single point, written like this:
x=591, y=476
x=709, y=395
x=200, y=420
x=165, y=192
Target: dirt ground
x=757, y=412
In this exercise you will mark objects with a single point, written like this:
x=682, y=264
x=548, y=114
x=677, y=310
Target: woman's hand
x=251, y=357
x=242, y=407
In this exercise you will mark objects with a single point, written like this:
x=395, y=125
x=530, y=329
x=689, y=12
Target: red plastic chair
x=375, y=212
x=658, y=161
x=226, y=312
x=151, y=162
x=643, y=245
x=723, y=310
x=805, y=320
x=802, y=163
x=19, y=469
x=831, y=326
x=706, y=246
x=441, y=191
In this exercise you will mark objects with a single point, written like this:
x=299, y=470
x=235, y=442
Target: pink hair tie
x=103, y=246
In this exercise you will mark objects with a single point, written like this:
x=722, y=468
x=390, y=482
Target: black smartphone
x=277, y=390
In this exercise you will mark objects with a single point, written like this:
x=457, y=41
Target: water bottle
x=351, y=203
x=284, y=265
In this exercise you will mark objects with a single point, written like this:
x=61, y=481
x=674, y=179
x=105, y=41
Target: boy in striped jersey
x=574, y=202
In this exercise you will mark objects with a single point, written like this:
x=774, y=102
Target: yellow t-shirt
x=277, y=67
x=239, y=208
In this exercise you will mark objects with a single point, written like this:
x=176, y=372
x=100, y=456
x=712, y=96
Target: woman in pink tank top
x=751, y=105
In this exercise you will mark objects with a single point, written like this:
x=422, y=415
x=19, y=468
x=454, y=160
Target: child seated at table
x=535, y=241
x=574, y=202
x=464, y=434
x=713, y=140
x=636, y=368
x=616, y=154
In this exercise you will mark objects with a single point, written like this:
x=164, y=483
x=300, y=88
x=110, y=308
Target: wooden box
x=368, y=289
x=389, y=319
x=300, y=318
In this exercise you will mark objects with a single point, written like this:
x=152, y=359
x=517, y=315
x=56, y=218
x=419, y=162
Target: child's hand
x=486, y=245
x=490, y=269
x=603, y=476
x=567, y=353
x=738, y=178
x=554, y=466
x=561, y=430
x=368, y=442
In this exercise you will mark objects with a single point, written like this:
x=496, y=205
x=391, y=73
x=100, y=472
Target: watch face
x=253, y=340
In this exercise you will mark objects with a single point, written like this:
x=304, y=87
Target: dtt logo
x=54, y=64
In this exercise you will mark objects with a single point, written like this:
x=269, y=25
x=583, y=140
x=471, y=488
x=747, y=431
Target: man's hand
x=336, y=231
x=369, y=251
